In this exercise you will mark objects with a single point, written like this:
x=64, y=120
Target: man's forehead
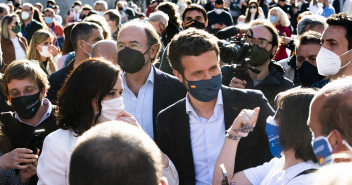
x=330, y=33
x=261, y=32
x=132, y=32
x=193, y=14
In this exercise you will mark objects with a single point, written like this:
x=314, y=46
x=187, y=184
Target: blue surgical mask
x=272, y=131
x=205, y=90
x=273, y=18
x=48, y=20
x=322, y=149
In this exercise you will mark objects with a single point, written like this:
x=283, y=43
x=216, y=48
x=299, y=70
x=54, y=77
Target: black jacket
x=31, y=28
x=174, y=137
x=273, y=84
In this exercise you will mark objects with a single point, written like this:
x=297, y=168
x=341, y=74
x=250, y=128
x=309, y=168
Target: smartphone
x=36, y=140
x=225, y=180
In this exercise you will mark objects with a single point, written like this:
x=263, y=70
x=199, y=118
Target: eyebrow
x=133, y=41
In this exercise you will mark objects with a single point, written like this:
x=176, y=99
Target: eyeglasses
x=28, y=91
x=253, y=7
x=133, y=45
x=262, y=43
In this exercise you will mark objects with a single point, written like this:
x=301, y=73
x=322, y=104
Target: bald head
x=106, y=49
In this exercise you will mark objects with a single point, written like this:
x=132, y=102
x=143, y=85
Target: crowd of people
x=178, y=92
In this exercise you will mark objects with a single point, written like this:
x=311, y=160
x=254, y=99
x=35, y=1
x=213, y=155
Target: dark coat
x=272, y=85
x=31, y=28
x=174, y=132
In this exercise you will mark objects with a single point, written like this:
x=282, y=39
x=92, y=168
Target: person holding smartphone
x=289, y=140
x=25, y=84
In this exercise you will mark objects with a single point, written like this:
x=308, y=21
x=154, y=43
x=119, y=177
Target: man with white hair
x=101, y=7
x=4, y=10
x=159, y=21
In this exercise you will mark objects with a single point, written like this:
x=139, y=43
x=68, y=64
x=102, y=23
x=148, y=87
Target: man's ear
x=206, y=23
x=274, y=50
x=178, y=75
x=154, y=49
x=335, y=141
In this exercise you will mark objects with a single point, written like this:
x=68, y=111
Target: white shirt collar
x=189, y=108
x=47, y=103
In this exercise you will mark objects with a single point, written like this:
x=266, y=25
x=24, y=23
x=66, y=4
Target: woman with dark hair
x=89, y=96
x=67, y=50
x=253, y=12
x=174, y=25
x=37, y=15
x=289, y=136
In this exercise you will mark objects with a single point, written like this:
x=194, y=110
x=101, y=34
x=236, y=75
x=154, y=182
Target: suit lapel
x=159, y=95
x=231, y=106
x=183, y=140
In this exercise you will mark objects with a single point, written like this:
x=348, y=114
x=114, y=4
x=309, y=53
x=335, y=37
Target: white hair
x=283, y=18
x=159, y=16
x=103, y=3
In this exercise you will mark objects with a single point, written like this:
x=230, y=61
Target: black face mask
x=258, y=56
x=26, y=106
x=82, y=16
x=120, y=8
x=131, y=60
x=308, y=74
x=195, y=24
x=17, y=5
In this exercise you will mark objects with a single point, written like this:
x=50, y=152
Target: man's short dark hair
x=22, y=69
x=114, y=15
x=82, y=31
x=115, y=153
x=270, y=27
x=50, y=2
x=77, y=3
x=190, y=42
x=50, y=10
x=336, y=111
x=195, y=7
x=309, y=37
x=342, y=19
x=219, y=2
x=292, y=115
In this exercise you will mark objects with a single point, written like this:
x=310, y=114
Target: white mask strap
x=346, y=144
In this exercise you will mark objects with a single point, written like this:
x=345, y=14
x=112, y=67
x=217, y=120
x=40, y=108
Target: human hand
x=245, y=117
x=237, y=83
x=128, y=118
x=28, y=172
x=13, y=159
x=53, y=50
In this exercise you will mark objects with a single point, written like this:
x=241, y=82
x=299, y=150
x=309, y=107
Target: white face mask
x=110, y=108
x=218, y=11
x=253, y=10
x=328, y=62
x=24, y=15
x=101, y=13
x=45, y=51
x=320, y=5
x=77, y=8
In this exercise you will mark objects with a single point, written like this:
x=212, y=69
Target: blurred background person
x=4, y=10
x=101, y=7
x=315, y=7
x=13, y=45
x=289, y=139
x=327, y=9
x=102, y=23
x=253, y=12
x=38, y=16
x=113, y=18
x=280, y=20
x=54, y=28
x=218, y=18
x=173, y=25
x=73, y=15
x=67, y=50
x=39, y=6
x=106, y=49
x=57, y=18
x=85, y=12
x=30, y=25
x=42, y=49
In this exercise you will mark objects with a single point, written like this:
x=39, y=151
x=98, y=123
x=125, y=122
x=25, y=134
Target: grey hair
x=310, y=21
x=159, y=16
x=103, y=3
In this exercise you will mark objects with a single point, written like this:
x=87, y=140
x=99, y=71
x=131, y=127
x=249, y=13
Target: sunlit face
x=196, y=68
x=313, y=119
x=99, y=7
x=47, y=42
x=24, y=87
x=194, y=15
x=307, y=52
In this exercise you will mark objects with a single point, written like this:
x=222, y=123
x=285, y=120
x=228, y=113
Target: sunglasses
x=253, y=7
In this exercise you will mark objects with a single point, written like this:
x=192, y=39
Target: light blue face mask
x=273, y=18
x=48, y=20
x=205, y=90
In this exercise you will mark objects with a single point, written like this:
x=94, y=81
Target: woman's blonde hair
x=6, y=21
x=33, y=54
x=282, y=16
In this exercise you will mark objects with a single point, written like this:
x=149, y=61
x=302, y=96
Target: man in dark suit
x=191, y=132
x=147, y=90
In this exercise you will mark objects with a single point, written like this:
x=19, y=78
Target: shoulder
x=164, y=77
x=37, y=24
x=242, y=93
x=59, y=74
x=173, y=110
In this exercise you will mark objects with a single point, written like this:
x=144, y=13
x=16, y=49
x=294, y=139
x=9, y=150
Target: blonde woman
x=13, y=45
x=280, y=20
x=42, y=49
